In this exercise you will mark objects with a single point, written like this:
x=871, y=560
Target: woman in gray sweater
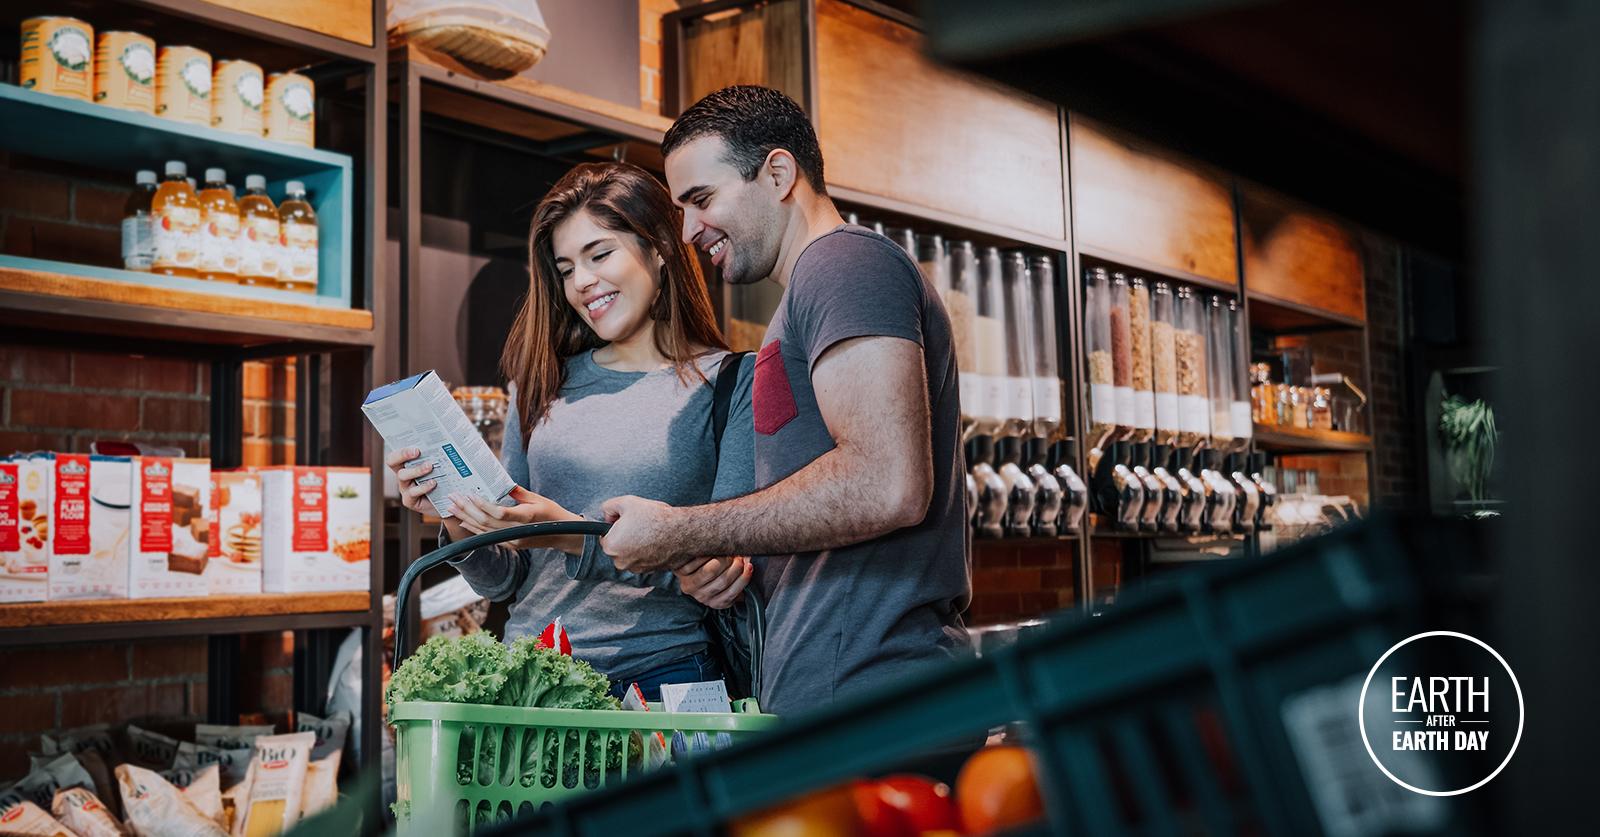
x=611, y=362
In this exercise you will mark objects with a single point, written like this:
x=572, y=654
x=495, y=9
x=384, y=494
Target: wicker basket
x=477, y=34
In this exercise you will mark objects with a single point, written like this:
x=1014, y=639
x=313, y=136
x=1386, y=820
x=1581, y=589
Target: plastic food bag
x=230, y=737
x=205, y=794
x=331, y=732
x=322, y=785
x=48, y=777
x=97, y=737
x=150, y=749
x=195, y=757
x=84, y=813
x=157, y=809
x=277, y=782
x=21, y=817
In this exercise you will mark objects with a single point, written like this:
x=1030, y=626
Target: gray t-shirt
x=851, y=618
x=611, y=433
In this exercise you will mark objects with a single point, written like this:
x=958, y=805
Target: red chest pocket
x=771, y=399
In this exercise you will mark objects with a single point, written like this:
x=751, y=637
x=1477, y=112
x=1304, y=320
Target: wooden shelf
x=1152, y=270
x=74, y=621
x=1276, y=316
x=1280, y=439
x=78, y=297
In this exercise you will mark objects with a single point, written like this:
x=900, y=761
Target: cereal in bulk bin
x=316, y=529
x=183, y=85
x=291, y=108
x=125, y=71
x=89, y=541
x=170, y=552
x=219, y=230
x=25, y=510
x=57, y=57
x=234, y=539
x=297, y=230
x=237, y=93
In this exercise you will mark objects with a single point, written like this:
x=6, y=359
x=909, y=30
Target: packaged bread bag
x=89, y=530
x=171, y=527
x=84, y=813
x=25, y=483
x=21, y=817
x=276, y=784
x=156, y=808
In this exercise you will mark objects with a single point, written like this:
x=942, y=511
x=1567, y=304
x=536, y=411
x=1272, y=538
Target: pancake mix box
x=89, y=543
x=25, y=483
x=233, y=544
x=170, y=527
x=316, y=529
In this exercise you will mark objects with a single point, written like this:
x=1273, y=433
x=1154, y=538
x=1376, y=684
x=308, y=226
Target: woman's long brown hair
x=624, y=199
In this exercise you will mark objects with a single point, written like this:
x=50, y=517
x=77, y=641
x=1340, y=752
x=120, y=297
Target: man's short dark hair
x=752, y=121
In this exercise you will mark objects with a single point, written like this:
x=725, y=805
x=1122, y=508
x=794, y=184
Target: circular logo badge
x=1441, y=713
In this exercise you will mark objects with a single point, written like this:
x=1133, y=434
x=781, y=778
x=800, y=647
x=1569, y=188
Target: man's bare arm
x=873, y=396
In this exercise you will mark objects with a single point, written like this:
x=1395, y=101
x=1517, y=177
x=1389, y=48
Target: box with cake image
x=234, y=544
x=317, y=532
x=89, y=526
x=170, y=527
x=25, y=482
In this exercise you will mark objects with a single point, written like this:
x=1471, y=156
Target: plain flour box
x=89, y=541
x=234, y=541
x=170, y=527
x=420, y=413
x=316, y=530
x=25, y=483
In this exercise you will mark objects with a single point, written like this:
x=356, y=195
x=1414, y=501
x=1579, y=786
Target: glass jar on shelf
x=1300, y=407
x=1097, y=328
x=1321, y=417
x=961, y=305
x=1189, y=342
x=1164, y=363
x=1263, y=395
x=1218, y=372
x=486, y=408
x=1122, y=353
x=1142, y=373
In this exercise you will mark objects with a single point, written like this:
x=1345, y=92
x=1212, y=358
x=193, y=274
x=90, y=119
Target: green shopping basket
x=469, y=766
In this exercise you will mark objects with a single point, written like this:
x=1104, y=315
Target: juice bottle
x=219, y=230
x=258, y=236
x=138, y=242
x=297, y=271
x=175, y=220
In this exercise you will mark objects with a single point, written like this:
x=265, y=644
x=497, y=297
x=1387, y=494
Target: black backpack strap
x=722, y=396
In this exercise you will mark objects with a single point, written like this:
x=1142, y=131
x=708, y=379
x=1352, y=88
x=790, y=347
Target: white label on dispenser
x=1019, y=398
x=1125, y=406
x=1240, y=413
x=970, y=392
x=1144, y=409
x=1047, y=398
x=996, y=398
x=1102, y=404
x=1167, y=417
x=1194, y=414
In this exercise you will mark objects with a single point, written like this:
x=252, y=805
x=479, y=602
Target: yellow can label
x=125, y=71
x=183, y=85
x=58, y=57
x=236, y=98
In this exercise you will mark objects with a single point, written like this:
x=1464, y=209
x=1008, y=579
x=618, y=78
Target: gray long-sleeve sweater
x=611, y=433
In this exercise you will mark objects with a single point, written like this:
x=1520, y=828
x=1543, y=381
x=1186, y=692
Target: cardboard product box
x=170, y=527
x=89, y=538
x=419, y=412
x=316, y=529
x=25, y=483
x=233, y=533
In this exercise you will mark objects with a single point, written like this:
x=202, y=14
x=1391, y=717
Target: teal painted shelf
x=68, y=130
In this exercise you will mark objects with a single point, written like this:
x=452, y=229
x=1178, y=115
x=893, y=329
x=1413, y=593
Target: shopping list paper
x=419, y=412
x=709, y=696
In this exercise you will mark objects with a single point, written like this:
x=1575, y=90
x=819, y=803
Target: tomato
x=923, y=803
x=826, y=813
x=878, y=817
x=997, y=789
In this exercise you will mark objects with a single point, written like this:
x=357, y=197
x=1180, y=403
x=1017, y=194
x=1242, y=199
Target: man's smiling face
x=738, y=222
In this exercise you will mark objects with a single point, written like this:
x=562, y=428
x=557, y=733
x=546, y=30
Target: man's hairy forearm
x=834, y=501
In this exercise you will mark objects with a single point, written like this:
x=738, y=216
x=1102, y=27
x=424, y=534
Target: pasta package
x=21, y=817
x=150, y=749
x=322, y=785
x=157, y=809
x=204, y=792
x=331, y=732
x=230, y=737
x=196, y=757
x=277, y=783
x=84, y=813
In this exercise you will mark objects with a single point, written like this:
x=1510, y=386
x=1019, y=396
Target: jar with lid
x=1263, y=397
x=1321, y=417
x=486, y=408
x=1284, y=404
x=1142, y=373
x=991, y=343
x=1300, y=407
x=1240, y=412
x=1122, y=354
x=1097, y=328
x=1164, y=364
x=1189, y=342
x=1021, y=348
x=1047, y=366
x=961, y=304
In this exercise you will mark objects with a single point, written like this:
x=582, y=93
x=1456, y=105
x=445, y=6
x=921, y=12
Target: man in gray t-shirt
x=859, y=514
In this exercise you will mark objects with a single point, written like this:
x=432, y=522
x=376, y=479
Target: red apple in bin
x=905, y=806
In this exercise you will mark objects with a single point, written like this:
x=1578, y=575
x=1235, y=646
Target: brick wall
x=1393, y=426
x=650, y=12
x=60, y=399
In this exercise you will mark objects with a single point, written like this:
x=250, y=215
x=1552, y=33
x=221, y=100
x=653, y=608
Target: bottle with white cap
x=219, y=230
x=258, y=235
x=297, y=271
x=138, y=246
x=175, y=223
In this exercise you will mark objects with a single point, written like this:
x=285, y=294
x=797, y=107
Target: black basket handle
x=454, y=550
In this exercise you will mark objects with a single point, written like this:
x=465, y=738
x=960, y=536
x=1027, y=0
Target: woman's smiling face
x=607, y=276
